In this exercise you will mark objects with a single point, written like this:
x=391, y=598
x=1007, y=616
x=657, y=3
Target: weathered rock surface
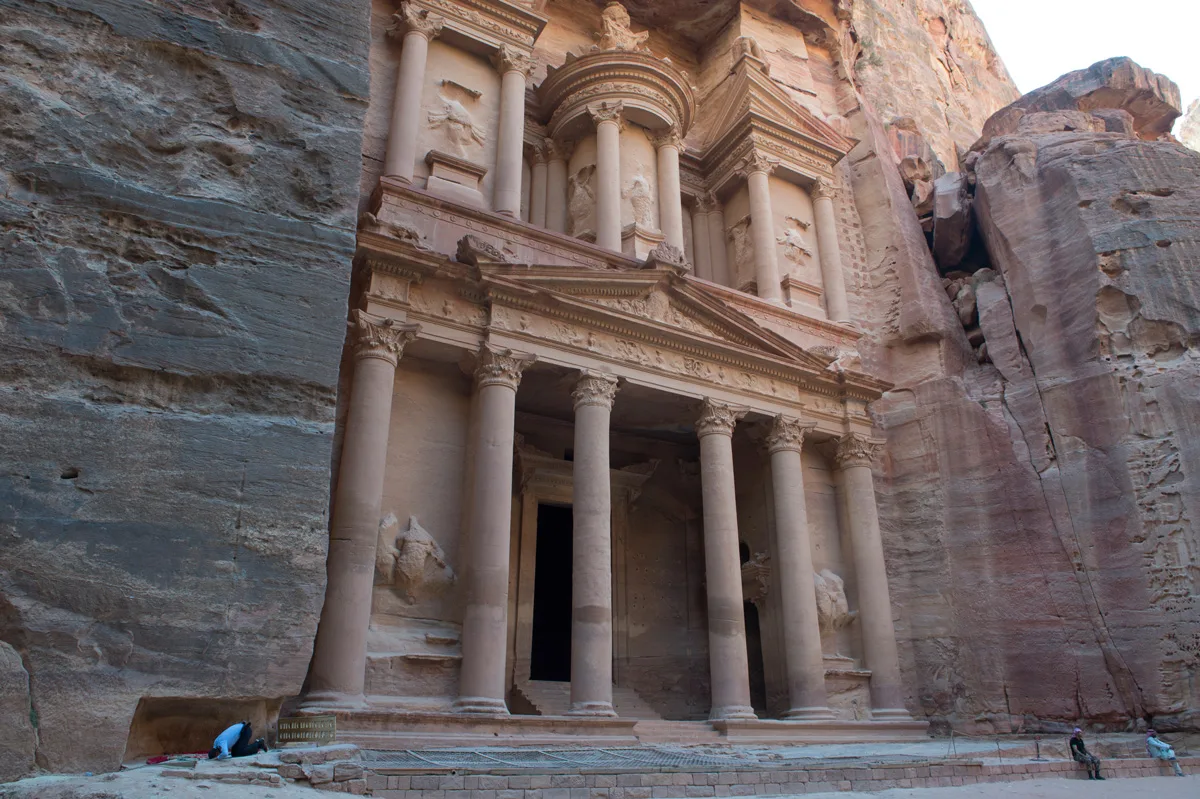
x=1152, y=100
x=1039, y=509
x=176, y=228
x=18, y=739
x=1189, y=128
x=951, y=219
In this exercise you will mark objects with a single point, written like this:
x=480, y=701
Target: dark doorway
x=551, y=656
x=754, y=652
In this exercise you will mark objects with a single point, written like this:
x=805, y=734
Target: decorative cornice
x=668, y=137
x=510, y=59
x=787, y=434
x=854, y=449
x=500, y=367
x=718, y=418
x=607, y=112
x=490, y=23
x=412, y=19
x=757, y=161
x=374, y=336
x=821, y=190
x=595, y=388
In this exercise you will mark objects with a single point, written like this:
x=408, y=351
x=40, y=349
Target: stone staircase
x=554, y=699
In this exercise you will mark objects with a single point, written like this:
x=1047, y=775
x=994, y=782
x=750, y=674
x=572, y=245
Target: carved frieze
x=379, y=337
x=490, y=22
x=718, y=418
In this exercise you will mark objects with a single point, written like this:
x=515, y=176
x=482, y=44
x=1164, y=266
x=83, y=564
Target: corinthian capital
x=787, y=434
x=821, y=189
x=510, y=59
x=499, y=367
x=854, y=449
x=608, y=112
x=595, y=388
x=668, y=137
x=379, y=337
x=412, y=19
x=757, y=161
x=718, y=418
x=707, y=202
x=559, y=150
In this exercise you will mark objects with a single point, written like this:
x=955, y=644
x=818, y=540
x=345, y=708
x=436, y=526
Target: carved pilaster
x=595, y=388
x=668, y=137
x=379, y=337
x=411, y=19
x=718, y=418
x=608, y=112
x=854, y=449
x=500, y=367
x=510, y=59
x=757, y=162
x=787, y=434
x=821, y=189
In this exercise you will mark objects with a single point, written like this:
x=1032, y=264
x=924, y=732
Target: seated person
x=1081, y=755
x=1161, y=750
x=235, y=742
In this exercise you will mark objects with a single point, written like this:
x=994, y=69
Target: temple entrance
x=550, y=658
x=754, y=653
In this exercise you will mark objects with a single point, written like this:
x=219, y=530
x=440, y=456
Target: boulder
x=1152, y=100
x=922, y=197
x=951, y=219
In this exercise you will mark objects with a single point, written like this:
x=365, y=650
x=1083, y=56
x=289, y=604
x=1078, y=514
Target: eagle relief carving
x=411, y=561
x=461, y=134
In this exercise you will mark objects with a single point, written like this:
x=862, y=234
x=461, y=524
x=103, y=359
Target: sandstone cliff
x=1040, y=502
x=176, y=228
x=1189, y=128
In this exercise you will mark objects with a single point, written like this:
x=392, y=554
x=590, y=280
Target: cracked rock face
x=176, y=228
x=1042, y=510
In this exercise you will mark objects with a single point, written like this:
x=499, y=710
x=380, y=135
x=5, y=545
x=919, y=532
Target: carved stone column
x=805, y=662
x=854, y=456
x=416, y=27
x=539, y=178
x=701, y=239
x=514, y=67
x=556, y=185
x=485, y=620
x=670, y=199
x=340, y=652
x=717, y=250
x=729, y=667
x=832, y=277
x=591, y=594
x=608, y=119
x=757, y=169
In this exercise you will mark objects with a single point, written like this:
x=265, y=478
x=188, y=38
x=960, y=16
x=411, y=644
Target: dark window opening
x=551, y=655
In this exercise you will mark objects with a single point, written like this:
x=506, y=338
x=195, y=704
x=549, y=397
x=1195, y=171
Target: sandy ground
x=1149, y=787
x=146, y=783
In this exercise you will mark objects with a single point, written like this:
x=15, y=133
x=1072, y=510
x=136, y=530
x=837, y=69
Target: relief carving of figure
x=616, y=31
x=411, y=561
x=639, y=197
x=455, y=120
x=581, y=199
x=794, y=246
x=833, y=611
x=743, y=247
x=756, y=578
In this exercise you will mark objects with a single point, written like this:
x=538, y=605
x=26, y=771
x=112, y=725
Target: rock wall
x=176, y=228
x=1189, y=128
x=1039, y=504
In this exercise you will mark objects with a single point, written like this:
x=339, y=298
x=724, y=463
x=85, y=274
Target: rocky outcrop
x=1040, y=504
x=930, y=62
x=1189, y=128
x=176, y=228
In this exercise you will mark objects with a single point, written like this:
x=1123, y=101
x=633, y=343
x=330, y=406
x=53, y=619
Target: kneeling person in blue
x=235, y=742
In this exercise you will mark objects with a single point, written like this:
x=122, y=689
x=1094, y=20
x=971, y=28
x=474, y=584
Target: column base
x=333, y=700
x=732, y=712
x=890, y=714
x=480, y=705
x=809, y=714
x=596, y=709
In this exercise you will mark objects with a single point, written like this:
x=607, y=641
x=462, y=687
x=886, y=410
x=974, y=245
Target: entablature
x=484, y=26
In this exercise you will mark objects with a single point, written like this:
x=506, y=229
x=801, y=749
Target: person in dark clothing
x=1081, y=755
x=235, y=742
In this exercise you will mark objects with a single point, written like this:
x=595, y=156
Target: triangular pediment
x=658, y=302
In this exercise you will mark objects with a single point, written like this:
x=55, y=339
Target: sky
x=1038, y=40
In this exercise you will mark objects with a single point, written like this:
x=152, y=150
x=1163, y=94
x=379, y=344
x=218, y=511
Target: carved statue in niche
x=581, y=199
x=794, y=246
x=748, y=46
x=459, y=128
x=743, y=247
x=833, y=611
x=616, y=31
x=639, y=197
x=411, y=561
